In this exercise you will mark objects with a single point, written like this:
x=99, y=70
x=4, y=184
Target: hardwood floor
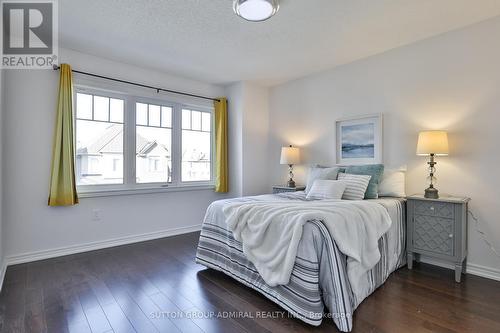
x=127, y=288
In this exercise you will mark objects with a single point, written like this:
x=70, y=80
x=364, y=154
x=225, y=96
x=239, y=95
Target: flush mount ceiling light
x=255, y=10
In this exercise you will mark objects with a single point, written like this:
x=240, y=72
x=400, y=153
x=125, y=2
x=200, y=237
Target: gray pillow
x=320, y=173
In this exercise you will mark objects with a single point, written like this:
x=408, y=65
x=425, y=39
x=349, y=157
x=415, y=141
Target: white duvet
x=270, y=233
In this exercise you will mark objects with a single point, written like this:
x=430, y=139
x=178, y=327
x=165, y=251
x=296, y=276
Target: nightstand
x=437, y=228
x=283, y=189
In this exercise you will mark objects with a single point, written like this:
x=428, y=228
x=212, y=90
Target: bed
x=318, y=288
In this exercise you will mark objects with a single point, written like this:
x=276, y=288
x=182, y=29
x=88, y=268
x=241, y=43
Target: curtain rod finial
x=55, y=67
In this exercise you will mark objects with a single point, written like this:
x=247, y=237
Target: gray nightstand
x=438, y=228
x=283, y=189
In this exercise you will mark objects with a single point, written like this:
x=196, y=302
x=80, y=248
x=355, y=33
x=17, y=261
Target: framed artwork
x=359, y=140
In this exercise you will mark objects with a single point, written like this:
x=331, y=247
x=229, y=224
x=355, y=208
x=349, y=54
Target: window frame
x=129, y=185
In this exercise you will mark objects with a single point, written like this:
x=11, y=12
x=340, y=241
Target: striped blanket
x=319, y=276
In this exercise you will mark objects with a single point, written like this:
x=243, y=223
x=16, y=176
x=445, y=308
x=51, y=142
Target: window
x=154, y=164
x=99, y=139
x=153, y=141
x=196, y=145
x=128, y=143
x=116, y=164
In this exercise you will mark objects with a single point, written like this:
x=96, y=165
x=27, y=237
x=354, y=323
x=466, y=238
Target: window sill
x=136, y=191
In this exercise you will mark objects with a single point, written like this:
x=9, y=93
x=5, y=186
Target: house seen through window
x=196, y=145
x=153, y=143
x=99, y=140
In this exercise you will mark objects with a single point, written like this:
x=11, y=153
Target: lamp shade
x=432, y=142
x=290, y=155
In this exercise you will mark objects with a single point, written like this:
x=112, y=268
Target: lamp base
x=431, y=193
x=290, y=183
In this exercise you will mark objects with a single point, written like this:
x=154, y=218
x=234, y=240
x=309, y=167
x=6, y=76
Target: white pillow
x=356, y=186
x=320, y=173
x=392, y=183
x=326, y=189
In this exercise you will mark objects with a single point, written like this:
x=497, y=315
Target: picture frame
x=359, y=140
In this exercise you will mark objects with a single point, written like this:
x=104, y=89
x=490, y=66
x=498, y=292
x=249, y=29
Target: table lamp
x=290, y=156
x=432, y=143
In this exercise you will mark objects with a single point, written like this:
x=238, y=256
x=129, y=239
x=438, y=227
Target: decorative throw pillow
x=356, y=186
x=392, y=183
x=373, y=170
x=320, y=173
x=326, y=189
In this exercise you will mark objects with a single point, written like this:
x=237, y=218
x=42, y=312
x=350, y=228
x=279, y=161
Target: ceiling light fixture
x=255, y=10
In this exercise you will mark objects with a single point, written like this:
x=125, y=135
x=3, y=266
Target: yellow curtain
x=62, y=183
x=221, y=168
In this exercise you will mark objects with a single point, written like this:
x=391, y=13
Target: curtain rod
x=55, y=67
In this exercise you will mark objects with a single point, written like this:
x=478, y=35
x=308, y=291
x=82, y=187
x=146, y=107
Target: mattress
x=318, y=287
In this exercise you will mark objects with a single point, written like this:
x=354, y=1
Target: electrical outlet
x=96, y=215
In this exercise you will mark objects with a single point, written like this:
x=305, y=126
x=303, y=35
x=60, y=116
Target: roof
x=112, y=142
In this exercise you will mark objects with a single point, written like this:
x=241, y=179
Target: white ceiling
x=204, y=40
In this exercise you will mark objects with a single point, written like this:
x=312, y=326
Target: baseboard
x=3, y=269
x=474, y=269
x=483, y=271
x=63, y=251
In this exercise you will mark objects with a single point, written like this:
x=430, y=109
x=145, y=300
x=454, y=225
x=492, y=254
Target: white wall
x=255, y=140
x=2, y=252
x=249, y=131
x=234, y=94
x=31, y=225
x=449, y=82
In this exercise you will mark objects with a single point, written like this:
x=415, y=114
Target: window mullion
x=129, y=142
x=93, y=107
x=176, y=144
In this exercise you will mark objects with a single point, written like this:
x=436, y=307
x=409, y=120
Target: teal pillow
x=374, y=170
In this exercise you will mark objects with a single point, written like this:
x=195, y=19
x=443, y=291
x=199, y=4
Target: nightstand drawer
x=434, y=234
x=282, y=190
x=285, y=189
x=439, y=209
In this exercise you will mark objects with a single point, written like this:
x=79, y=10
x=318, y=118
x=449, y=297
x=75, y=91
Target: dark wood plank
x=34, y=319
x=117, y=318
x=75, y=316
x=13, y=316
x=156, y=286
x=79, y=327
x=166, y=306
x=96, y=318
x=18, y=274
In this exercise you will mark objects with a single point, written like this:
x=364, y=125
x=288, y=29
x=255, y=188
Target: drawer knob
x=450, y=235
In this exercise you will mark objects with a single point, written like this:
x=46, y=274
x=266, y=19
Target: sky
x=361, y=134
